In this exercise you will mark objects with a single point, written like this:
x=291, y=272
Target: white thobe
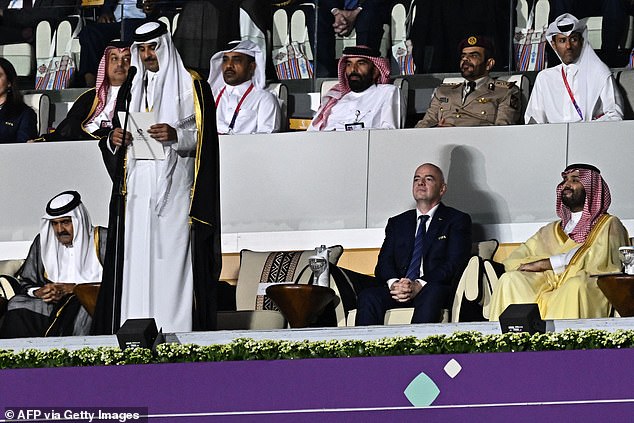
x=378, y=107
x=106, y=113
x=158, y=279
x=259, y=112
x=550, y=102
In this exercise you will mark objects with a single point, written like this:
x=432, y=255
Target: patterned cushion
x=272, y=267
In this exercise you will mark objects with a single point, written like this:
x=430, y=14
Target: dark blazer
x=20, y=125
x=446, y=246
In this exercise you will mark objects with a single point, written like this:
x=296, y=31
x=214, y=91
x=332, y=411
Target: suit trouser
x=372, y=303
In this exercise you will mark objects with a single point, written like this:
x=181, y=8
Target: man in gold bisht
x=554, y=267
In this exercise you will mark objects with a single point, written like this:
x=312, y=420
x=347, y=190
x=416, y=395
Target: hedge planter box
x=580, y=385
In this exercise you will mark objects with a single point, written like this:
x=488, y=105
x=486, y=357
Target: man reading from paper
x=158, y=279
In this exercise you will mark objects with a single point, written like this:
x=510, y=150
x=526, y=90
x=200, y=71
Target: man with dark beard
x=363, y=98
x=555, y=267
x=479, y=100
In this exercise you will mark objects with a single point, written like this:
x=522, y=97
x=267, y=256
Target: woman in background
x=18, y=122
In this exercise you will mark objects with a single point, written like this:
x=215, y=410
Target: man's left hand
x=405, y=290
x=162, y=132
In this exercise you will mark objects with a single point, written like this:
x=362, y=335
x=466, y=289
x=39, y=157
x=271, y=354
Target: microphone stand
x=118, y=197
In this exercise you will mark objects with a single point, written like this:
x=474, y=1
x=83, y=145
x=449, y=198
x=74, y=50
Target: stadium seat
x=253, y=309
x=625, y=80
x=41, y=104
x=281, y=92
x=21, y=57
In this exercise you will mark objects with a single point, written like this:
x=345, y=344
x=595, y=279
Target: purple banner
x=595, y=385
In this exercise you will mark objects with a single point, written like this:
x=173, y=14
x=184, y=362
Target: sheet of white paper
x=143, y=146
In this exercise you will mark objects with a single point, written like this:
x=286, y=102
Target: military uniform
x=492, y=102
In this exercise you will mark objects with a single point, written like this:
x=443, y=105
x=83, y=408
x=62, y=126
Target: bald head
x=428, y=187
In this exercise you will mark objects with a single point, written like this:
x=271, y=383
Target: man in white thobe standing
x=157, y=271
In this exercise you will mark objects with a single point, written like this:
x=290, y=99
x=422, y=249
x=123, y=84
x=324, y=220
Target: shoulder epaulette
x=450, y=84
x=504, y=84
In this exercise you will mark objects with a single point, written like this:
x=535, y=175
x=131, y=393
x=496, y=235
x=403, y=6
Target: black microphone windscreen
x=131, y=73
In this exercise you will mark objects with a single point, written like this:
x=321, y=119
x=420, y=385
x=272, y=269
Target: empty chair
x=21, y=57
x=281, y=92
x=41, y=104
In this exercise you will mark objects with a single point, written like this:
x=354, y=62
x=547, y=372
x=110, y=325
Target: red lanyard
x=572, y=97
x=235, y=114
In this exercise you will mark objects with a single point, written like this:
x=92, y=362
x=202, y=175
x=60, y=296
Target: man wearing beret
x=478, y=101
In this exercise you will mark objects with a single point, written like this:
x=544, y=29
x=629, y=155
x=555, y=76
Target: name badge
x=356, y=126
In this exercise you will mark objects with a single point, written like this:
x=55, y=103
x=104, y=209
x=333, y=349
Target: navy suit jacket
x=446, y=246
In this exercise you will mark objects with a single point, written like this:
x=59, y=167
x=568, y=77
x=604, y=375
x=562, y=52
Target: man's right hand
x=404, y=290
x=116, y=137
x=53, y=292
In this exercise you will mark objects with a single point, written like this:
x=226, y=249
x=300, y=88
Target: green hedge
x=249, y=349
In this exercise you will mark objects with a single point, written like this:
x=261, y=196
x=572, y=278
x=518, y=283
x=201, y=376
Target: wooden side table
x=619, y=290
x=301, y=304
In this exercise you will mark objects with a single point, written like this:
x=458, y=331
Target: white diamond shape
x=452, y=368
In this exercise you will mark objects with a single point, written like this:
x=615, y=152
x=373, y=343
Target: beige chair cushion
x=258, y=312
x=272, y=267
x=485, y=249
x=10, y=267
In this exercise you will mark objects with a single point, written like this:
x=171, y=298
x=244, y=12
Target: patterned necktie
x=413, y=271
x=469, y=88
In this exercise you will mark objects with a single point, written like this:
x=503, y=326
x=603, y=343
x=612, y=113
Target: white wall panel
x=497, y=175
x=293, y=181
x=610, y=147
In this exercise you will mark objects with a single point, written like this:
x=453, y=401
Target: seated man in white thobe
x=237, y=79
x=363, y=98
x=581, y=88
x=67, y=251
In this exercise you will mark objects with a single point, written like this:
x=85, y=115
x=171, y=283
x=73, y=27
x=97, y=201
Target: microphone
x=131, y=74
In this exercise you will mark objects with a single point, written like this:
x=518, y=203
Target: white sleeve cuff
x=421, y=282
x=390, y=282
x=560, y=261
x=31, y=292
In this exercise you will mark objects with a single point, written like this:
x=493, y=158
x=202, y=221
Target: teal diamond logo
x=422, y=391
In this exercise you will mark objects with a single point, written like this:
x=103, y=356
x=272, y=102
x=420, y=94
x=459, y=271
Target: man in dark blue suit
x=424, y=249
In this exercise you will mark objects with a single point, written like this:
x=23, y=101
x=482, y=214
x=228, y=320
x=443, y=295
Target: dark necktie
x=350, y=4
x=413, y=271
x=471, y=85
